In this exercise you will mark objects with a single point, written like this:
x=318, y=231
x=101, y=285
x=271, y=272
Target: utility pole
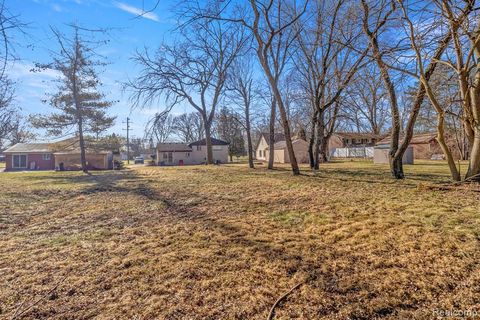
x=128, y=139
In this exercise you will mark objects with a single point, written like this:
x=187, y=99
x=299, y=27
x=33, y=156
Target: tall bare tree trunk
x=249, y=137
x=83, y=157
x=208, y=141
x=271, y=134
x=474, y=163
x=446, y=150
x=311, y=143
x=319, y=139
x=396, y=167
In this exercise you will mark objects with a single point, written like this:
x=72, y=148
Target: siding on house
x=192, y=154
x=263, y=142
x=280, y=153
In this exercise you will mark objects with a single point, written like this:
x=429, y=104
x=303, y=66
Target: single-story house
x=62, y=155
x=425, y=146
x=353, y=140
x=280, y=152
x=263, y=144
x=29, y=156
x=191, y=154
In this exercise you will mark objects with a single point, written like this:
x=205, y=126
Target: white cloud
x=136, y=11
x=56, y=8
x=35, y=81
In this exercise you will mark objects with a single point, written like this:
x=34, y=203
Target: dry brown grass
x=225, y=242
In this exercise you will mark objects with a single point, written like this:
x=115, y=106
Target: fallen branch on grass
x=272, y=310
x=18, y=314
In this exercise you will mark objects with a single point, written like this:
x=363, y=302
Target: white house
x=174, y=154
x=262, y=145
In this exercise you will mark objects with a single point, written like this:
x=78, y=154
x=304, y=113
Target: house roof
x=173, y=147
x=215, y=142
x=277, y=137
x=70, y=145
x=283, y=144
x=30, y=147
x=359, y=135
x=420, y=138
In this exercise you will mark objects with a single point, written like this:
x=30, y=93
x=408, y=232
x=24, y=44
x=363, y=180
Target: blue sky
x=127, y=33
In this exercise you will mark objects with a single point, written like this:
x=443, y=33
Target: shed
x=380, y=155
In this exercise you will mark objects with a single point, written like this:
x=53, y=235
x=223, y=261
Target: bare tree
x=366, y=102
x=9, y=24
x=188, y=127
x=419, y=50
x=242, y=94
x=160, y=127
x=81, y=107
x=270, y=23
x=465, y=62
x=193, y=71
x=327, y=64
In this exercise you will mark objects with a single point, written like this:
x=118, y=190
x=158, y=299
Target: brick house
x=62, y=155
x=425, y=146
x=29, y=156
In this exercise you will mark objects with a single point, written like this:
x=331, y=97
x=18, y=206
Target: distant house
x=191, y=154
x=280, y=152
x=425, y=146
x=353, y=140
x=62, y=155
x=263, y=144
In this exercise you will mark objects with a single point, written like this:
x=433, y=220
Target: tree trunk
x=446, y=150
x=420, y=96
x=208, y=142
x=474, y=163
x=319, y=139
x=323, y=156
x=83, y=158
x=311, y=143
x=271, y=136
x=249, y=138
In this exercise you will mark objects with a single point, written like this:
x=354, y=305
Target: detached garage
x=280, y=152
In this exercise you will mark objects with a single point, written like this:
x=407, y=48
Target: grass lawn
x=2, y=165
x=225, y=242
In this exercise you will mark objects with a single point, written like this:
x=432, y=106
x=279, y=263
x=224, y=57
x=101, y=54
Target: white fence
x=359, y=152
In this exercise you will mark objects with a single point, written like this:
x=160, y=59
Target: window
x=187, y=154
x=199, y=148
x=46, y=156
x=165, y=155
x=19, y=160
x=260, y=153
